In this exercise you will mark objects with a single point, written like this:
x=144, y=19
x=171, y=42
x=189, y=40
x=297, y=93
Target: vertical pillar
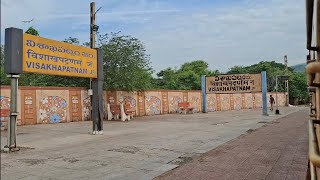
x=12, y=124
x=13, y=66
x=264, y=93
x=97, y=97
x=204, y=95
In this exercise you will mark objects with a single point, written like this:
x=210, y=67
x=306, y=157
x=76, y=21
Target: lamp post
x=277, y=110
x=281, y=77
x=286, y=81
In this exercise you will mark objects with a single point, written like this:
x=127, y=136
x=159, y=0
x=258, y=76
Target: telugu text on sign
x=233, y=83
x=45, y=56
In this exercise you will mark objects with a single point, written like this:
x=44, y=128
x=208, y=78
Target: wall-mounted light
x=95, y=28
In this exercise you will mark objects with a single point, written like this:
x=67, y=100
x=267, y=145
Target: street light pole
x=286, y=81
x=277, y=110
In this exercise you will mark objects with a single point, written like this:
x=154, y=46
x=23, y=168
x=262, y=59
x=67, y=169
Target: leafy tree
x=126, y=64
x=32, y=31
x=3, y=75
x=72, y=40
x=297, y=80
x=188, y=77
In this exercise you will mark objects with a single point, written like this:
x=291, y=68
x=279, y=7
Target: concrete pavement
x=278, y=151
x=143, y=148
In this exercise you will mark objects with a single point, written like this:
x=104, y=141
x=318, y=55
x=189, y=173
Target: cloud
x=239, y=35
x=226, y=34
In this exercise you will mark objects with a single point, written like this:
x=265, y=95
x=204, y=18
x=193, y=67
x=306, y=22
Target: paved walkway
x=274, y=152
x=141, y=149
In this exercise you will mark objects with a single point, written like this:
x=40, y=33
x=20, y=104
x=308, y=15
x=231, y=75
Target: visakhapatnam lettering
x=51, y=67
x=235, y=88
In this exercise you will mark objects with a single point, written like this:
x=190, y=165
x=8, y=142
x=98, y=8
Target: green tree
x=187, y=77
x=72, y=40
x=3, y=75
x=32, y=31
x=297, y=81
x=126, y=64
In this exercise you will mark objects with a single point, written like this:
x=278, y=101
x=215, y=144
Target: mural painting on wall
x=53, y=109
x=248, y=101
x=153, y=105
x=174, y=104
x=225, y=102
x=258, y=100
x=5, y=109
x=86, y=108
x=212, y=103
x=131, y=101
x=195, y=103
x=75, y=103
x=237, y=100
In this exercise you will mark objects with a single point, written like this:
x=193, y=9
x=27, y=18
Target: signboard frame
x=233, y=83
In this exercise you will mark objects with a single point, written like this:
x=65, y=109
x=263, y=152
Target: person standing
x=272, y=102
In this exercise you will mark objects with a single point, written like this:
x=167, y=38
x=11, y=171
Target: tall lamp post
x=286, y=81
x=285, y=78
x=277, y=110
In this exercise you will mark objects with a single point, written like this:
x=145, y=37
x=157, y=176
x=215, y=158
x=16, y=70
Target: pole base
x=97, y=133
x=277, y=111
x=7, y=149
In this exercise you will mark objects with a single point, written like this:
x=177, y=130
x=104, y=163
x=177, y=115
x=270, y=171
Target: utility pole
x=92, y=45
x=286, y=81
x=96, y=85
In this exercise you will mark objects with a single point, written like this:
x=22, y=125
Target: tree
x=126, y=64
x=4, y=79
x=187, y=77
x=297, y=80
x=72, y=40
x=32, y=31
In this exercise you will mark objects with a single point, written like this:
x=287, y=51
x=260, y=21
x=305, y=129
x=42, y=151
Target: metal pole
x=92, y=45
x=264, y=93
x=12, y=123
x=277, y=110
x=286, y=81
x=204, y=95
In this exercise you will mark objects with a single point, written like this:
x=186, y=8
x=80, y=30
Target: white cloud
x=240, y=33
x=227, y=36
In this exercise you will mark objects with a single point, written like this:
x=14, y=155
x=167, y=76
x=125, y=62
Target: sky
x=224, y=33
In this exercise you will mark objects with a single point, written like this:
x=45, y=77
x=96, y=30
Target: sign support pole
x=13, y=66
x=97, y=100
x=12, y=123
x=204, y=95
x=264, y=93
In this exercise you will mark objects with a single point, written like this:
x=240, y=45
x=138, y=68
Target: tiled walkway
x=276, y=151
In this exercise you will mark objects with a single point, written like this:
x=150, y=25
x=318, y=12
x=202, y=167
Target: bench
x=114, y=111
x=185, y=107
x=128, y=111
x=119, y=110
